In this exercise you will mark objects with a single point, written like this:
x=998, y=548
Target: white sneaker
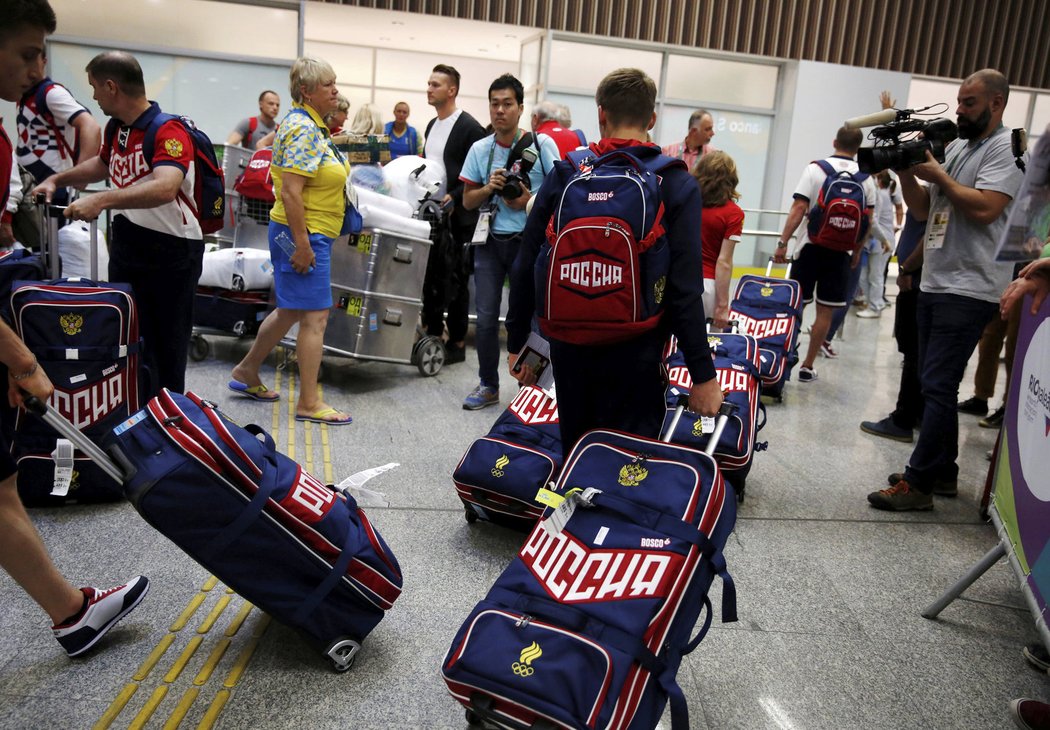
x=869, y=313
x=104, y=609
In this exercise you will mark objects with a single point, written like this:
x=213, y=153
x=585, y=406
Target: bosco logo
x=501, y=464
x=523, y=667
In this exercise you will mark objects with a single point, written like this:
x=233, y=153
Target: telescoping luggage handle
x=50, y=245
x=769, y=268
x=724, y=412
x=58, y=422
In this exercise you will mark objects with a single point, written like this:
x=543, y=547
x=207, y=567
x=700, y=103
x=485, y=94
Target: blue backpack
x=839, y=219
x=601, y=273
x=209, y=193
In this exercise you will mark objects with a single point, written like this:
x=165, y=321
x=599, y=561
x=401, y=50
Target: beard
x=974, y=129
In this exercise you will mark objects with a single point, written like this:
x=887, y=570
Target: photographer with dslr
x=501, y=172
x=965, y=208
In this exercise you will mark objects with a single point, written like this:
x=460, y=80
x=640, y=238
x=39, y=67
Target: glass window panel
x=1016, y=113
x=584, y=65
x=717, y=80
x=530, y=62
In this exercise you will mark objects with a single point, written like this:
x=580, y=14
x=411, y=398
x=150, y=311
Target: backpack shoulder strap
x=825, y=166
x=150, y=140
x=40, y=97
x=253, y=124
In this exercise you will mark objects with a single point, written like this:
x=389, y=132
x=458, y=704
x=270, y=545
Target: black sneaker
x=1037, y=656
x=455, y=353
x=994, y=419
x=900, y=497
x=941, y=487
x=103, y=610
x=974, y=406
x=887, y=429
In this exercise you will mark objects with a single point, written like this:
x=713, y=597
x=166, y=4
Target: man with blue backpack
x=838, y=201
x=610, y=265
x=167, y=193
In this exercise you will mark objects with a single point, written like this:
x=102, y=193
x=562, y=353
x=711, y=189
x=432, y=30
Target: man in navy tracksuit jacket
x=621, y=386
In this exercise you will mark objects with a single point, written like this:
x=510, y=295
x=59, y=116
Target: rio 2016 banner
x=1022, y=479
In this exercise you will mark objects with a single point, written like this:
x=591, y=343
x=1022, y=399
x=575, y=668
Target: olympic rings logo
x=522, y=670
x=496, y=472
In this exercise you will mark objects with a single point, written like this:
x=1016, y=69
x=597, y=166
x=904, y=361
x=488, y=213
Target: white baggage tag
x=556, y=521
x=354, y=486
x=707, y=424
x=481, y=230
x=63, y=456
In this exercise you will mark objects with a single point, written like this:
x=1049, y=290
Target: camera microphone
x=871, y=120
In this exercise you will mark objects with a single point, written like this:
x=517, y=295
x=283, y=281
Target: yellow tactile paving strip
x=152, y=692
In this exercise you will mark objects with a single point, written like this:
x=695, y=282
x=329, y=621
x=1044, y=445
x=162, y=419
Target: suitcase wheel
x=428, y=355
x=471, y=515
x=199, y=348
x=474, y=720
x=342, y=652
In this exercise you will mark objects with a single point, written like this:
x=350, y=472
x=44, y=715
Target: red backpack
x=255, y=182
x=839, y=220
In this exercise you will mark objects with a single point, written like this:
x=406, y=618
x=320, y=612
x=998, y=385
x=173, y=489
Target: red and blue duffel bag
x=499, y=475
x=588, y=625
x=86, y=338
x=736, y=367
x=300, y=550
x=770, y=310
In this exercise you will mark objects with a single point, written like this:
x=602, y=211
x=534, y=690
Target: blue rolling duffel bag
x=499, y=475
x=588, y=625
x=737, y=369
x=296, y=548
x=770, y=310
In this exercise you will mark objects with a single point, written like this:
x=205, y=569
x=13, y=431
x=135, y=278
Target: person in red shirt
x=721, y=224
x=156, y=239
x=545, y=121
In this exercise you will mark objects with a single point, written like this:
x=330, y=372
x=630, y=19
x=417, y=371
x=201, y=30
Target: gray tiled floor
x=830, y=590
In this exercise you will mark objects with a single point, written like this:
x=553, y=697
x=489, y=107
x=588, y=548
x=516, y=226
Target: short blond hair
x=717, y=175
x=308, y=72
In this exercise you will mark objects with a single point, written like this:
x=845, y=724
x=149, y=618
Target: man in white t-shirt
x=449, y=137
x=823, y=272
x=55, y=132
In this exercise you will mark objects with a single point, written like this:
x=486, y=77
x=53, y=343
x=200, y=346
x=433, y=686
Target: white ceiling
x=415, y=31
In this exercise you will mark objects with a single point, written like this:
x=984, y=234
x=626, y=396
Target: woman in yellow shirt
x=309, y=179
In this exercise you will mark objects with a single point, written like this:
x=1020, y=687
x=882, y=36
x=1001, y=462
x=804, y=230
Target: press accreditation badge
x=936, y=227
x=481, y=230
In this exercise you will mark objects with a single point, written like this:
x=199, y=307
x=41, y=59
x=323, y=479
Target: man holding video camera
x=965, y=208
x=501, y=172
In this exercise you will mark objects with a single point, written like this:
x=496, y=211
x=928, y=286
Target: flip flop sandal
x=255, y=392
x=319, y=417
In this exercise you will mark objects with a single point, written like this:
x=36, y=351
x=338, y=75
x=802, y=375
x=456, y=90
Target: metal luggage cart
x=377, y=283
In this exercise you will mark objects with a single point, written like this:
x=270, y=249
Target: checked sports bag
x=769, y=309
x=86, y=338
x=499, y=475
x=588, y=625
x=297, y=548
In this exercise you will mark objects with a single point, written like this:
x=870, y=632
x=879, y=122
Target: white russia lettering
x=761, y=328
x=842, y=222
x=93, y=403
x=571, y=573
x=592, y=273
x=309, y=499
x=731, y=380
x=127, y=169
x=533, y=406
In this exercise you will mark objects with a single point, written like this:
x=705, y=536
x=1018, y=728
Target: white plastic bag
x=74, y=248
x=238, y=269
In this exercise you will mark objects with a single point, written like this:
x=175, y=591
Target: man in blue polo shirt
x=502, y=218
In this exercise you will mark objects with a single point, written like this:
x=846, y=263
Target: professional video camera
x=517, y=179
x=897, y=143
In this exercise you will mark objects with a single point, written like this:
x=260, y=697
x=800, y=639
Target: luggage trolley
x=377, y=284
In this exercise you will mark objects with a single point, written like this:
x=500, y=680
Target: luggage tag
x=63, y=456
x=481, y=230
x=556, y=521
x=353, y=485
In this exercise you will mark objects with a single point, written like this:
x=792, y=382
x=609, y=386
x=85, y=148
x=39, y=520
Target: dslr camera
x=517, y=178
x=898, y=144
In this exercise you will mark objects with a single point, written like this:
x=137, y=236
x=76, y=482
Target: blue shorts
x=310, y=291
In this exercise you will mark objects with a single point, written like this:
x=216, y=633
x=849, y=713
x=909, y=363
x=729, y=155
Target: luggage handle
x=58, y=422
x=724, y=412
x=51, y=246
x=769, y=268
x=482, y=706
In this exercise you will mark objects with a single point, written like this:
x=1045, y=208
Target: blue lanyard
x=492, y=150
